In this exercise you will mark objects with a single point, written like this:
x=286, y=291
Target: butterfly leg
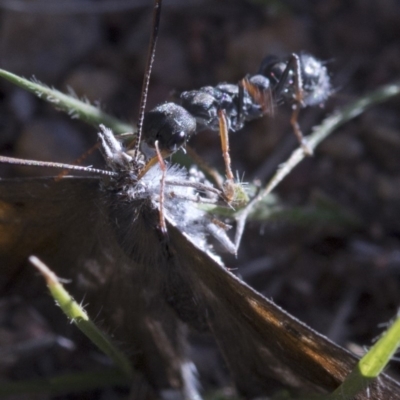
x=112, y=149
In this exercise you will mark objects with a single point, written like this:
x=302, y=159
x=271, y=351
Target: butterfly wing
x=264, y=346
x=130, y=275
x=67, y=224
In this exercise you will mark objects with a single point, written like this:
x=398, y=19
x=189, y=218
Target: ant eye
x=177, y=140
x=177, y=137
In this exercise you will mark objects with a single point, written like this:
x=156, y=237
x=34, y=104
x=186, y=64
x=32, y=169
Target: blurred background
x=333, y=260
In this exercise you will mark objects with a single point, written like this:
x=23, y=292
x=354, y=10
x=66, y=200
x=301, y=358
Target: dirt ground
x=339, y=274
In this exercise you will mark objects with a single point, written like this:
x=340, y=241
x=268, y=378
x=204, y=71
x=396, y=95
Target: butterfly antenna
x=49, y=164
x=146, y=78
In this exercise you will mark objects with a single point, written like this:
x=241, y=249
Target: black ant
x=299, y=80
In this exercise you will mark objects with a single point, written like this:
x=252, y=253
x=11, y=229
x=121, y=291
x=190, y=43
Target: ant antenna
x=146, y=78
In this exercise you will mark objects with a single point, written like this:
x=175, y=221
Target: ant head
x=170, y=124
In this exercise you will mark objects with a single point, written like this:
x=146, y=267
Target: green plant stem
x=75, y=312
x=74, y=107
x=371, y=364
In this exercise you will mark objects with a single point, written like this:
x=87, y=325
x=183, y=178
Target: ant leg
x=207, y=169
x=78, y=161
x=240, y=117
x=294, y=65
x=298, y=84
x=229, y=190
x=297, y=131
x=223, y=131
x=163, y=225
x=153, y=161
x=160, y=154
x=234, y=193
x=261, y=97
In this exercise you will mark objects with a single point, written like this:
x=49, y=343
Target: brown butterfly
x=146, y=287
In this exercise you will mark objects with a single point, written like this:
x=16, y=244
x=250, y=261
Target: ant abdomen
x=316, y=81
x=299, y=74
